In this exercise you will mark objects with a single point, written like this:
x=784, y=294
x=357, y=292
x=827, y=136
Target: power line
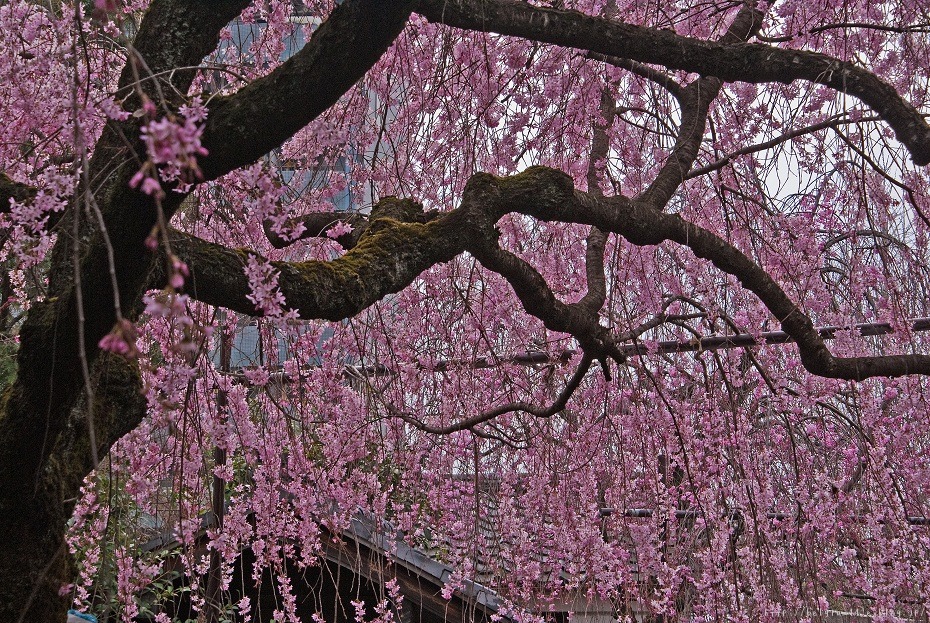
x=641, y=348
x=646, y=513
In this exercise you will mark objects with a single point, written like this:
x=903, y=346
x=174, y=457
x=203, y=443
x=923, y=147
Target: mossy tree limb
x=392, y=254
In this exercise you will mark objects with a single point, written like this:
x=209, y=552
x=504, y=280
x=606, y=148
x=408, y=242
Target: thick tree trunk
x=34, y=561
x=35, y=564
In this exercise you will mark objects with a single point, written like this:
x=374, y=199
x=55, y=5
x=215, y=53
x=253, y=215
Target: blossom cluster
x=173, y=145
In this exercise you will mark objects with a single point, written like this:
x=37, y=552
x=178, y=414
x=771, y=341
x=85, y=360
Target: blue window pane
x=247, y=350
x=243, y=35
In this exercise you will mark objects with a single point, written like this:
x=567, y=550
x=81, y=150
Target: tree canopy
x=597, y=299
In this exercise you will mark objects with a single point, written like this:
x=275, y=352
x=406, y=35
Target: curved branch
x=243, y=127
x=538, y=300
x=815, y=356
x=834, y=122
x=865, y=233
x=744, y=62
x=549, y=195
x=540, y=412
x=695, y=100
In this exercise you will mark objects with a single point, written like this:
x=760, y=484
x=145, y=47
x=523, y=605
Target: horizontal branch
x=383, y=262
x=741, y=62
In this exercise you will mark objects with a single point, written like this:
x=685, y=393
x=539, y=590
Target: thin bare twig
x=539, y=412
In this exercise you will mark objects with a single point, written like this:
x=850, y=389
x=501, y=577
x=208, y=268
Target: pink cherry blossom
x=306, y=385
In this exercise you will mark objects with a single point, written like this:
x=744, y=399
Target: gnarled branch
x=392, y=254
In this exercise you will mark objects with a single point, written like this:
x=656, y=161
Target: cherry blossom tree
x=626, y=307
